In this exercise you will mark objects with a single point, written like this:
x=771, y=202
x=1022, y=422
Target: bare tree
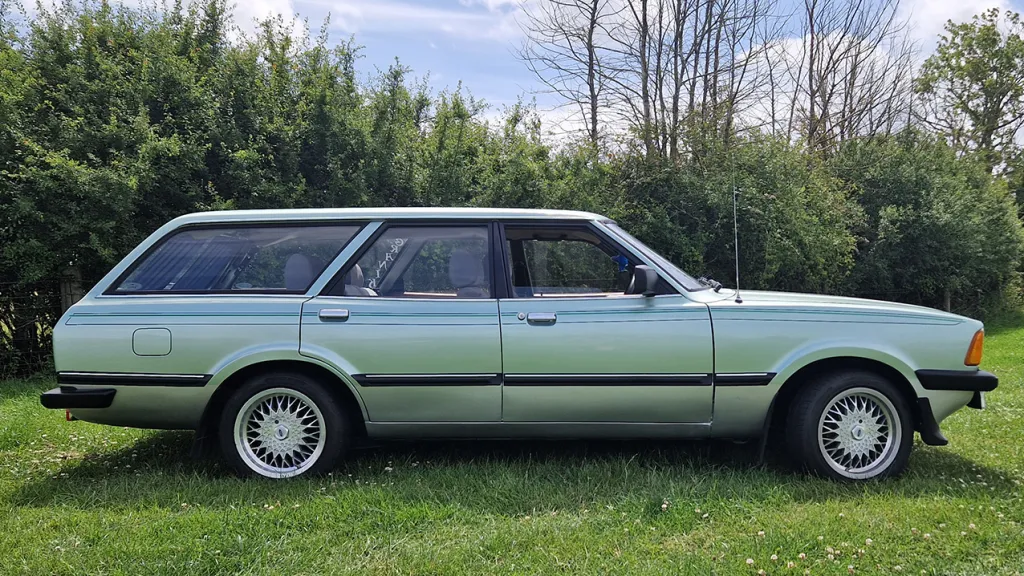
x=562, y=51
x=850, y=75
x=676, y=73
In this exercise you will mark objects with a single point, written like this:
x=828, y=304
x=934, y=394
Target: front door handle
x=335, y=314
x=541, y=317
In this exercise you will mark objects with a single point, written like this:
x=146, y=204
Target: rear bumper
x=963, y=380
x=70, y=398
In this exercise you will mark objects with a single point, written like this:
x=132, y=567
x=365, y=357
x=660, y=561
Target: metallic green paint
x=621, y=335
x=691, y=334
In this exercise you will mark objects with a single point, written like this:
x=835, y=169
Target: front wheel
x=851, y=426
x=282, y=425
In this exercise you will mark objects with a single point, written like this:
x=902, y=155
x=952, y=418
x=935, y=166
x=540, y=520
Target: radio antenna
x=736, y=236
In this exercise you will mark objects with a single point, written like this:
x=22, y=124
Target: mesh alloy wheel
x=280, y=433
x=859, y=433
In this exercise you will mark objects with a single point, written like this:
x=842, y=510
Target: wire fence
x=27, y=316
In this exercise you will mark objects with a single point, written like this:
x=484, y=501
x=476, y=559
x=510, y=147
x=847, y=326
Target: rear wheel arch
x=335, y=385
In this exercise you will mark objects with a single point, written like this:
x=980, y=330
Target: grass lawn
x=79, y=498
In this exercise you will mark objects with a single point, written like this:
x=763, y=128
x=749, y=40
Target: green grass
x=78, y=498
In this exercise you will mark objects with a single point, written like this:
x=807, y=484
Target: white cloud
x=928, y=17
x=391, y=16
x=493, y=5
x=246, y=12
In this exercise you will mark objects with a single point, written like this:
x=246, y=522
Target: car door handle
x=541, y=317
x=328, y=314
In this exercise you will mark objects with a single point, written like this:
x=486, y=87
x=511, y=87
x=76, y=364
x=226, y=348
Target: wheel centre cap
x=857, y=432
x=281, y=432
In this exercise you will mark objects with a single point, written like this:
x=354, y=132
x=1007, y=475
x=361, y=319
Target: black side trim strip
x=371, y=380
x=745, y=379
x=927, y=426
x=132, y=379
x=68, y=397
x=608, y=380
x=965, y=380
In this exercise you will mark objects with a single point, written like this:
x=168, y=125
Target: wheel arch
x=808, y=372
x=335, y=384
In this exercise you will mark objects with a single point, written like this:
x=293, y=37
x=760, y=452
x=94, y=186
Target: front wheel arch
x=813, y=371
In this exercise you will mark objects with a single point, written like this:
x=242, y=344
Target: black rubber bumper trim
x=963, y=380
x=132, y=379
x=69, y=397
x=977, y=401
x=927, y=426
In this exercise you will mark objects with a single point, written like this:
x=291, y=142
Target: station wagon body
x=285, y=335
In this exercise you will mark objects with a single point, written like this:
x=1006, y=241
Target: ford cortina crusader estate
x=285, y=335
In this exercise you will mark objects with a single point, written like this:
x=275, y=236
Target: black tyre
x=851, y=426
x=282, y=425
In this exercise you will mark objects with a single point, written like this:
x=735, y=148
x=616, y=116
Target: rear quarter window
x=253, y=259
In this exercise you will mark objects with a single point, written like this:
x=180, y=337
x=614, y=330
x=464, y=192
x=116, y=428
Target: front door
x=412, y=318
x=578, y=348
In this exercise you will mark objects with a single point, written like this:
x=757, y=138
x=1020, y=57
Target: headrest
x=298, y=272
x=465, y=269
x=355, y=276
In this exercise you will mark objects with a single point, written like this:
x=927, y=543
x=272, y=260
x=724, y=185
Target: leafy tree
x=938, y=231
x=973, y=86
x=114, y=120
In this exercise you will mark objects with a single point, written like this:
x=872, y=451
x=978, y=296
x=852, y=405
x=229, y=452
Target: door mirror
x=644, y=281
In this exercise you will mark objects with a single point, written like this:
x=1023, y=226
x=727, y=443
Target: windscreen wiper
x=710, y=283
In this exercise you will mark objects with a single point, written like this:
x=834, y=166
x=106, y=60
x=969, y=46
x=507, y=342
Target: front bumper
x=70, y=398
x=963, y=380
x=976, y=381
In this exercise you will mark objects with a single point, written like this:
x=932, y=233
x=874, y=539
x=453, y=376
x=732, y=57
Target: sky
x=475, y=41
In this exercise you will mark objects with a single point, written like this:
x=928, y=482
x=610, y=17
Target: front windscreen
x=678, y=275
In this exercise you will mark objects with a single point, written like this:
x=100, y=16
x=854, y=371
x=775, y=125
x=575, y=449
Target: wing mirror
x=644, y=281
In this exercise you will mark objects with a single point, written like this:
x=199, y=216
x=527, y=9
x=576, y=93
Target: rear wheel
x=282, y=425
x=851, y=426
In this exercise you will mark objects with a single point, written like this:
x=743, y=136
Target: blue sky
x=475, y=40
x=469, y=40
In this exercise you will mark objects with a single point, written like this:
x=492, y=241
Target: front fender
x=827, y=349
x=740, y=411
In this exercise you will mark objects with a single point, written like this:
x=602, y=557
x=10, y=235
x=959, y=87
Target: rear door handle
x=541, y=317
x=335, y=314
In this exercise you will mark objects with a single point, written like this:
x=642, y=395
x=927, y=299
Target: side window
x=423, y=262
x=565, y=263
x=240, y=259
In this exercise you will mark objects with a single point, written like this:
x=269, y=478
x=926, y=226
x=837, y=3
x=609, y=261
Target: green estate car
x=286, y=335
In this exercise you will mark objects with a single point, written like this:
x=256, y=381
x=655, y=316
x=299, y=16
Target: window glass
x=423, y=262
x=548, y=263
x=238, y=259
x=687, y=281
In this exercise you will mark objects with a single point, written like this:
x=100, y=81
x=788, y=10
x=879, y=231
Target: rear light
x=974, y=351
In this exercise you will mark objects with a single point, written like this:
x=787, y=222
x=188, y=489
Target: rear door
x=577, y=348
x=413, y=319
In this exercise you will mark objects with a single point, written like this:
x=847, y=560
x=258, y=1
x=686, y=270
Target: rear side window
x=423, y=262
x=285, y=259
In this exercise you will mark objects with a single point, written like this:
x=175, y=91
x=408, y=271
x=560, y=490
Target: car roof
x=321, y=214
